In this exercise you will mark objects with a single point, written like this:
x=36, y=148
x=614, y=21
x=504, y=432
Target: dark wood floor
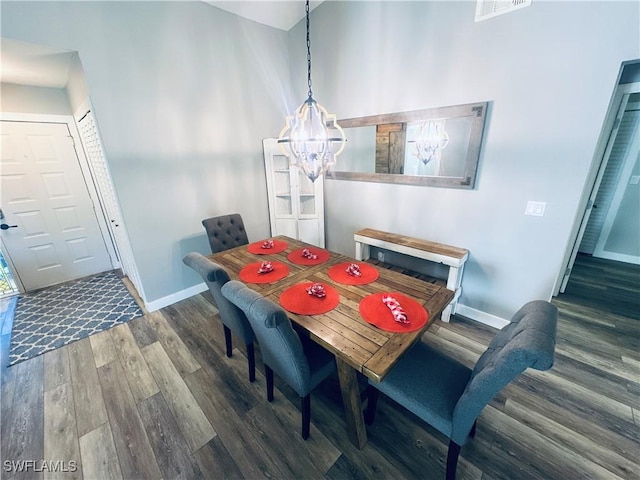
x=157, y=398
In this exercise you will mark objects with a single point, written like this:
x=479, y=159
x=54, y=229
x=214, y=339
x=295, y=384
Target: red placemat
x=297, y=258
x=249, y=274
x=256, y=247
x=377, y=313
x=369, y=274
x=296, y=300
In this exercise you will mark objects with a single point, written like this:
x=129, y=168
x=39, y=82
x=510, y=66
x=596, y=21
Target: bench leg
x=362, y=251
x=446, y=314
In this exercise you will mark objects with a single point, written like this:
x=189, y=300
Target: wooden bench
x=453, y=257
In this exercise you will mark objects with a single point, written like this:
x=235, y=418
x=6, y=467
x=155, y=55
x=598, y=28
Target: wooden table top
x=342, y=330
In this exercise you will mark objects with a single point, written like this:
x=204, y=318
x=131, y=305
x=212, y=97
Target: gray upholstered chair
x=449, y=396
x=233, y=319
x=225, y=232
x=301, y=363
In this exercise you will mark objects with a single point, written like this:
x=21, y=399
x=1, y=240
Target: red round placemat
x=256, y=247
x=297, y=258
x=339, y=274
x=377, y=313
x=296, y=300
x=249, y=273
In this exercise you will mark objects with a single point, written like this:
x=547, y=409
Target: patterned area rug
x=56, y=316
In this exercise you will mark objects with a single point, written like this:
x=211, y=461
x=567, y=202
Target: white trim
x=93, y=193
x=100, y=173
x=175, y=297
x=35, y=117
x=481, y=317
x=619, y=257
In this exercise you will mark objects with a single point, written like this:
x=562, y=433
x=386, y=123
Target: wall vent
x=490, y=8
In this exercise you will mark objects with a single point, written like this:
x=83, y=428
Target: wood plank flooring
x=157, y=398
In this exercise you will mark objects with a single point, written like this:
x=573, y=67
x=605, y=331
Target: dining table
x=360, y=347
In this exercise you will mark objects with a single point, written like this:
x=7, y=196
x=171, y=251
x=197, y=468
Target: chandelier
x=311, y=137
x=430, y=141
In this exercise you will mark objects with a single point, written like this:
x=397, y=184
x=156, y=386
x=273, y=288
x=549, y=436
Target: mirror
x=437, y=147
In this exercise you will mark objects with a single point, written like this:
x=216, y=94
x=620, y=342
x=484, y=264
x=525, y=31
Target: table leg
x=352, y=403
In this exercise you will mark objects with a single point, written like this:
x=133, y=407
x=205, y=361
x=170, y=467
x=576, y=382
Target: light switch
x=635, y=180
x=535, y=208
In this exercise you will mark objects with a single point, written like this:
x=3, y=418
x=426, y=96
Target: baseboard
x=175, y=297
x=618, y=257
x=481, y=317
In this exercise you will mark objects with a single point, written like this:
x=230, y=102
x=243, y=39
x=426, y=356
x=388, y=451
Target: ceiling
x=40, y=66
x=282, y=14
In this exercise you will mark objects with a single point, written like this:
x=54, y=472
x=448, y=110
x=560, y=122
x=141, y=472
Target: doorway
x=612, y=180
x=53, y=234
x=8, y=286
x=612, y=229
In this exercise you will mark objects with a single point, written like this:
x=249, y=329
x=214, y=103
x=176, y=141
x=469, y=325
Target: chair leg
x=452, y=460
x=227, y=340
x=251, y=357
x=305, y=404
x=472, y=433
x=269, y=374
x=372, y=402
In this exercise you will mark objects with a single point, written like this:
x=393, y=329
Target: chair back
x=215, y=276
x=280, y=345
x=225, y=232
x=527, y=341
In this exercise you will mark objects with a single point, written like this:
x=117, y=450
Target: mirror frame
x=476, y=111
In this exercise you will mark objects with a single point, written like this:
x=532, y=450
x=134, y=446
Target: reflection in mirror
x=362, y=149
x=440, y=152
x=437, y=147
x=428, y=138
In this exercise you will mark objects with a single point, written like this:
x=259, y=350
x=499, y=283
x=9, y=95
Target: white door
x=296, y=204
x=56, y=237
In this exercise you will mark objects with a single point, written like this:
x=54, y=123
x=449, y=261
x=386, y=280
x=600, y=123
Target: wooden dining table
x=359, y=347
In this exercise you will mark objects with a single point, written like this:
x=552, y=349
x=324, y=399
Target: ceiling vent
x=490, y=8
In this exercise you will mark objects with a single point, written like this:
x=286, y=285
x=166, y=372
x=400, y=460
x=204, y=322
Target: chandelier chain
x=308, y=51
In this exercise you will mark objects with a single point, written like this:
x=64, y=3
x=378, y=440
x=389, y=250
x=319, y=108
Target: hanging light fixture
x=430, y=141
x=311, y=138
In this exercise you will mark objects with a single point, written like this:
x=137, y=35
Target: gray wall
x=183, y=94
x=548, y=70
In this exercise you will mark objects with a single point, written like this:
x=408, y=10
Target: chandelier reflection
x=430, y=140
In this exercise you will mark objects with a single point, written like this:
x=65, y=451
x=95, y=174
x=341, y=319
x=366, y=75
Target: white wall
x=183, y=94
x=77, y=86
x=27, y=99
x=548, y=70
x=624, y=237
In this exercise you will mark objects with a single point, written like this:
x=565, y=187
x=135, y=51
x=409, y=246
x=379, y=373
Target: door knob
x=4, y=226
